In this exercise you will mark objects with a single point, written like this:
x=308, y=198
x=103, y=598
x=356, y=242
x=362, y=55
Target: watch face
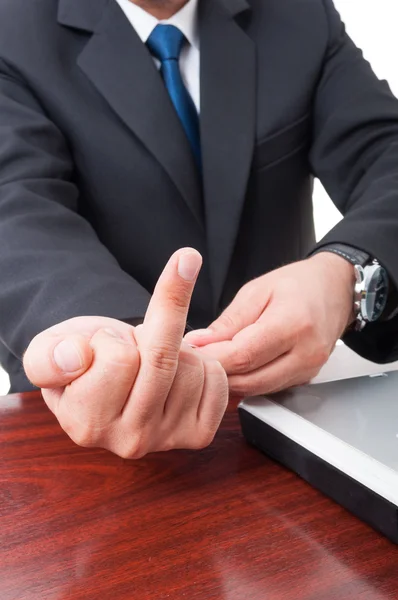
x=375, y=295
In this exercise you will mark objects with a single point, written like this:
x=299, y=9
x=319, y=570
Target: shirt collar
x=185, y=19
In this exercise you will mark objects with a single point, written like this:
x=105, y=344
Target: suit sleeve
x=355, y=154
x=52, y=265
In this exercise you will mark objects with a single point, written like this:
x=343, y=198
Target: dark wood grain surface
x=224, y=524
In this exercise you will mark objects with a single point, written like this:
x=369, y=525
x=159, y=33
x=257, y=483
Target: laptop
x=341, y=437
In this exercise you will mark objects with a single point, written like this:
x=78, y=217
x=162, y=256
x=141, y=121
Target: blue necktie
x=165, y=44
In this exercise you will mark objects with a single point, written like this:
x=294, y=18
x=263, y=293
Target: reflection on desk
x=224, y=523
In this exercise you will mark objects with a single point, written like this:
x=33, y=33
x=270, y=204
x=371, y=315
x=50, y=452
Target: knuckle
x=225, y=320
x=133, y=449
x=214, y=367
x=163, y=359
x=241, y=388
x=178, y=297
x=249, y=292
x=187, y=358
x=313, y=373
x=83, y=436
x=246, y=289
x=242, y=361
x=169, y=444
x=319, y=357
x=308, y=376
x=189, y=378
x=306, y=326
x=125, y=354
x=202, y=440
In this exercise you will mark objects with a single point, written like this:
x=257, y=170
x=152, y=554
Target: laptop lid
x=351, y=424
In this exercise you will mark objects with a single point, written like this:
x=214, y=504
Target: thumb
x=55, y=361
x=240, y=314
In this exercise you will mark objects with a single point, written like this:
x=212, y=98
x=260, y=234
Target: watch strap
x=353, y=255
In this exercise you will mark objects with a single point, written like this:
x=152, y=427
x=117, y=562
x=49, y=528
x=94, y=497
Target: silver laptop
x=341, y=437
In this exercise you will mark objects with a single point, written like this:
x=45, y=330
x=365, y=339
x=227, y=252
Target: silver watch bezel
x=363, y=277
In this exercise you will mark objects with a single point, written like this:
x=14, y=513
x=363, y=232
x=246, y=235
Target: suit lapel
x=122, y=70
x=120, y=67
x=227, y=127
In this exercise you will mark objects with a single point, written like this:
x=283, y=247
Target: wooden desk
x=222, y=524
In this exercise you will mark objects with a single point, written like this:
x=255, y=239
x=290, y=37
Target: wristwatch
x=371, y=290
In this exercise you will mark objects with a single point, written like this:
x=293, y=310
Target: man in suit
x=132, y=131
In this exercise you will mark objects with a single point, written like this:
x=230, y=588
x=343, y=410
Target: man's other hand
x=281, y=328
x=133, y=390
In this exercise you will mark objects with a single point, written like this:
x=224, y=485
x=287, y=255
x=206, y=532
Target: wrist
x=339, y=265
x=373, y=296
x=340, y=276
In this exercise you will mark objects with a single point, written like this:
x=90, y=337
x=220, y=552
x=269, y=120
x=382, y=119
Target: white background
x=373, y=26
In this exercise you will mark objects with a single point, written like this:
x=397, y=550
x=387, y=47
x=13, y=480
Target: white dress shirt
x=186, y=20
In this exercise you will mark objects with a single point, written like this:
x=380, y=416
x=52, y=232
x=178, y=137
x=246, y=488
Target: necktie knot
x=165, y=42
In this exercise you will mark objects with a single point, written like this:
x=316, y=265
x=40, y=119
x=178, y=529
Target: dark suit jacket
x=98, y=185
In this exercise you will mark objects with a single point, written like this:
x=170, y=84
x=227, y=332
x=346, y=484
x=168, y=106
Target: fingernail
x=189, y=265
x=67, y=357
x=199, y=333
